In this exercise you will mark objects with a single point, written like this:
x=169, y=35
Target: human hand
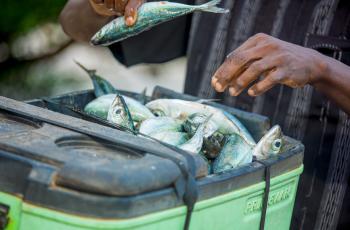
x=274, y=60
x=128, y=8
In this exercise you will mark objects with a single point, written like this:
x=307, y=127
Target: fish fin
x=101, y=86
x=204, y=101
x=144, y=91
x=142, y=97
x=211, y=7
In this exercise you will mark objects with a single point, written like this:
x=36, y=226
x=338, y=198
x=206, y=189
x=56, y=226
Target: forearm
x=80, y=21
x=335, y=83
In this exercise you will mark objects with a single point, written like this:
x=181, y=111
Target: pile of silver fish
x=149, y=15
x=219, y=137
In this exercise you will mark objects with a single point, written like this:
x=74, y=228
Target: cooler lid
x=108, y=165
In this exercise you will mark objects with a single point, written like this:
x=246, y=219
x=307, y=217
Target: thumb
x=131, y=11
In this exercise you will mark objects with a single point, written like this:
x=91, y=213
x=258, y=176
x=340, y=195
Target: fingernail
x=218, y=86
x=252, y=92
x=129, y=21
x=233, y=91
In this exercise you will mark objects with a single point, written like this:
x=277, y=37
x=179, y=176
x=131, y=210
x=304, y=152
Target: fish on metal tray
x=100, y=107
x=149, y=15
x=181, y=109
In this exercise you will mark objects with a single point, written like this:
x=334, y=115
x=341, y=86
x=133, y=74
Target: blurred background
x=37, y=58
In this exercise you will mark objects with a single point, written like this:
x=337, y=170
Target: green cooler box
x=59, y=171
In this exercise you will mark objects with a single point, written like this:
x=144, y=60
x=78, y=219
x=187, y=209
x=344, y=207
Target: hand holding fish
x=272, y=60
x=128, y=8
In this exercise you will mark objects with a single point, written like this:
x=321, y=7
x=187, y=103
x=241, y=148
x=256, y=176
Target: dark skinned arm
x=280, y=62
x=81, y=19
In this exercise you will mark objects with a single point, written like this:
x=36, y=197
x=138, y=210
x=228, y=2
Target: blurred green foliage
x=16, y=78
x=17, y=17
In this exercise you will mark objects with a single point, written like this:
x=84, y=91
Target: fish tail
x=211, y=7
x=89, y=71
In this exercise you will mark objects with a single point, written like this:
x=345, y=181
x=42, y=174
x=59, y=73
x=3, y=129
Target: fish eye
x=118, y=111
x=158, y=113
x=276, y=145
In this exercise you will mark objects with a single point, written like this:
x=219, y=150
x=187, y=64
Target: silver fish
x=100, y=107
x=235, y=153
x=149, y=15
x=193, y=121
x=181, y=109
x=119, y=113
x=213, y=140
x=270, y=144
x=160, y=124
x=170, y=137
x=194, y=145
x=101, y=85
x=213, y=144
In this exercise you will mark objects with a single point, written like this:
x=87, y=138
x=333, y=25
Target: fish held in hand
x=149, y=15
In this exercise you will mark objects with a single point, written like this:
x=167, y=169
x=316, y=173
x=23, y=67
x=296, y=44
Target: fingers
x=97, y=1
x=119, y=5
x=254, y=58
x=128, y=8
x=237, y=63
x=252, y=50
x=109, y=4
x=109, y=7
x=272, y=79
x=252, y=73
x=234, y=65
x=131, y=11
x=250, y=43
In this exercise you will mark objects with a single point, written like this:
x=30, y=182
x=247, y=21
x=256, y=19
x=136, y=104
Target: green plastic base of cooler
x=239, y=209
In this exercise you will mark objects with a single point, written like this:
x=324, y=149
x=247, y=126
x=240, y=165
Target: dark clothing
x=304, y=114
